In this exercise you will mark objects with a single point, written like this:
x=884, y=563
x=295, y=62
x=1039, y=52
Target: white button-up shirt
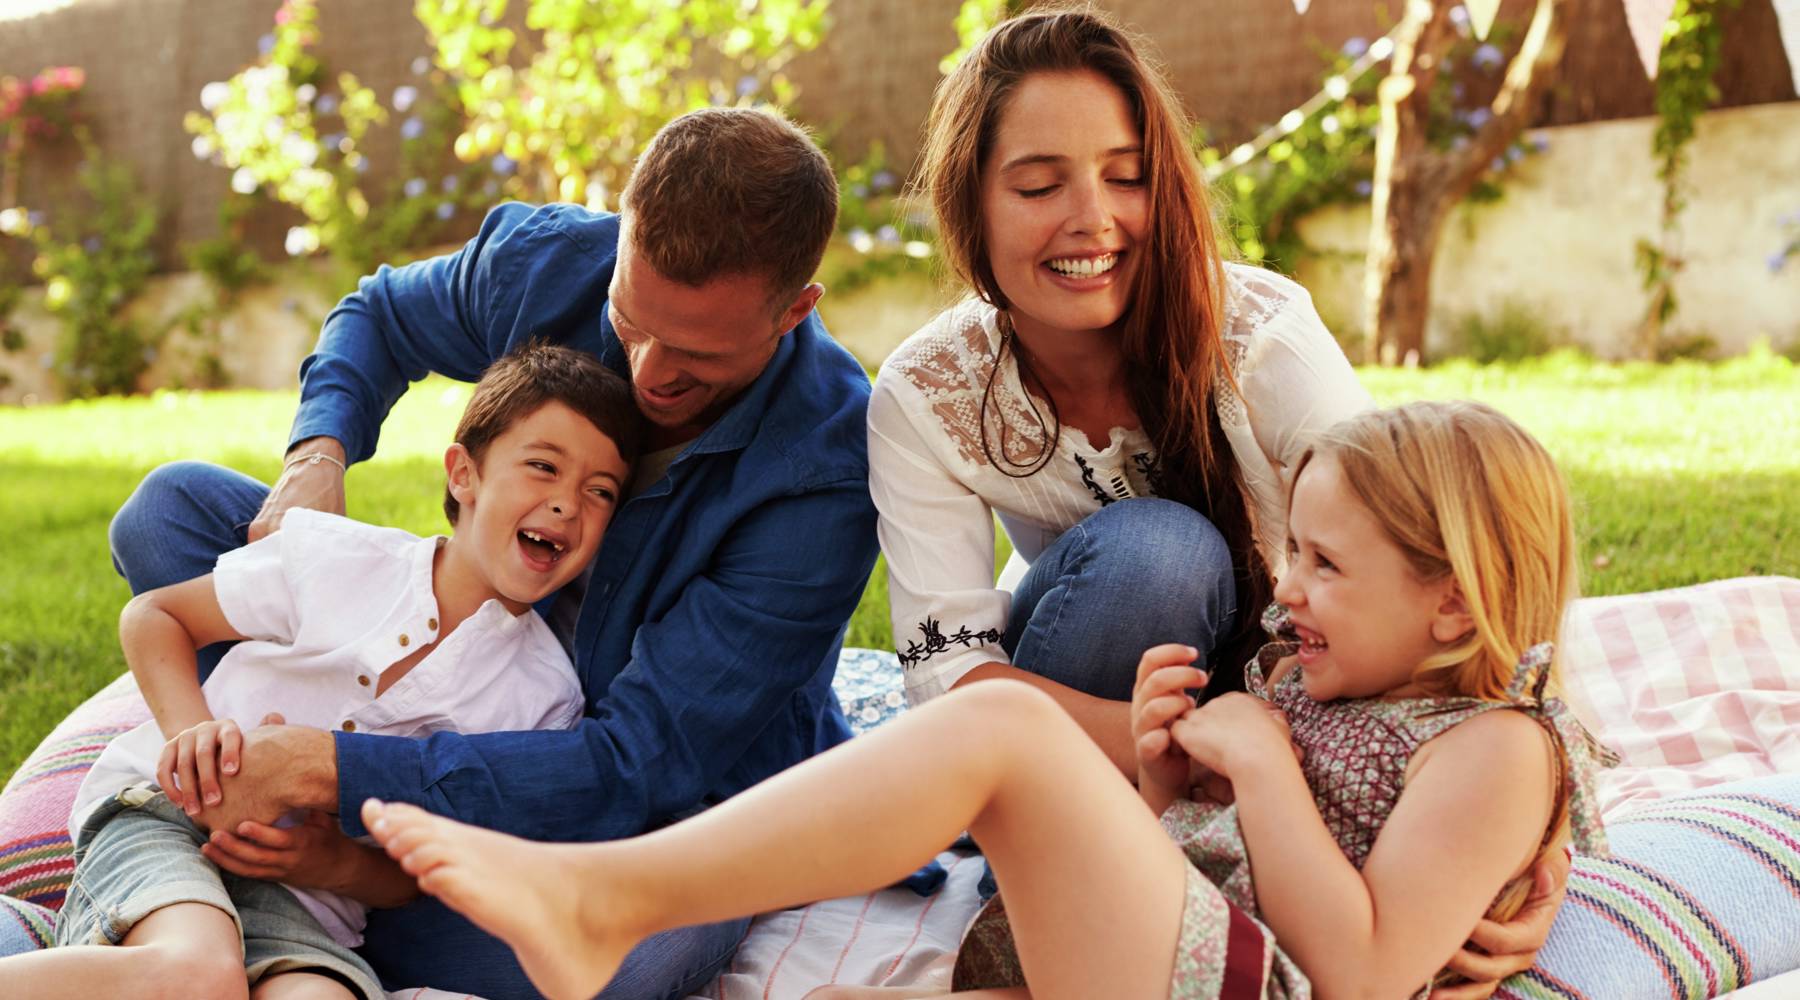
x=327, y=604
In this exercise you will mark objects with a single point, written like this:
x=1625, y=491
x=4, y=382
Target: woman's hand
x=1496, y=951
x=1229, y=726
x=192, y=761
x=1164, y=676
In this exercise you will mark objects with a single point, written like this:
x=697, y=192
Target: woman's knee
x=1013, y=712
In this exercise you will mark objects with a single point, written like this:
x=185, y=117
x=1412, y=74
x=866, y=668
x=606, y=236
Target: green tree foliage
x=575, y=106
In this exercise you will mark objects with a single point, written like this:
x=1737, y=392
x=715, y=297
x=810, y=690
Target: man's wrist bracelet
x=314, y=459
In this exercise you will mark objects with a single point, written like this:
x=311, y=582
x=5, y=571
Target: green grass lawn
x=1681, y=473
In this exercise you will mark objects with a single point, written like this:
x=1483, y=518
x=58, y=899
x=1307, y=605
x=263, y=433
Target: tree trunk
x=1416, y=186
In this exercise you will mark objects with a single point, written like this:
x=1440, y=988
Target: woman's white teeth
x=1084, y=267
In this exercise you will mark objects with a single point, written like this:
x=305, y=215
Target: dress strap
x=1578, y=754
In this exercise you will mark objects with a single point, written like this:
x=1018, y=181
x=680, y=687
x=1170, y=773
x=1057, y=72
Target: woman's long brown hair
x=1171, y=333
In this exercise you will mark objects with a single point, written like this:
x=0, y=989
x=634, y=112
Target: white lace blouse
x=937, y=494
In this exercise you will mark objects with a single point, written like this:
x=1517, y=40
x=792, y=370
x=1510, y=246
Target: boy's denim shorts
x=139, y=852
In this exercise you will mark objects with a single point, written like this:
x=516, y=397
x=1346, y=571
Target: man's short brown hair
x=732, y=191
x=519, y=384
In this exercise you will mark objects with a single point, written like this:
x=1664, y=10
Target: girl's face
x=1365, y=620
x=1064, y=203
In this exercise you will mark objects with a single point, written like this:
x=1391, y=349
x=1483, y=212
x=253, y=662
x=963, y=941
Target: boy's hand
x=1232, y=726
x=192, y=761
x=313, y=855
x=1165, y=673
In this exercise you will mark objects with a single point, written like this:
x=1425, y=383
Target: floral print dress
x=1355, y=757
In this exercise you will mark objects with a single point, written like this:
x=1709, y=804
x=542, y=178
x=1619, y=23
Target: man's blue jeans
x=174, y=527
x=1132, y=575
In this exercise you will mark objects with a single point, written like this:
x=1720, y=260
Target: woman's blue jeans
x=174, y=527
x=1134, y=574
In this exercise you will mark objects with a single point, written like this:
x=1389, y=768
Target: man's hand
x=1496, y=951
x=313, y=855
x=281, y=768
x=315, y=483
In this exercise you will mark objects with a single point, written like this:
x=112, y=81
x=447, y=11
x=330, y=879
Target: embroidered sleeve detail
x=950, y=368
x=934, y=641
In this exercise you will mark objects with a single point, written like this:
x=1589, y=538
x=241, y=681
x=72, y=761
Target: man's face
x=693, y=349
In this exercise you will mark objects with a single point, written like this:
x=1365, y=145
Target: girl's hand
x=1165, y=673
x=1231, y=727
x=313, y=855
x=191, y=762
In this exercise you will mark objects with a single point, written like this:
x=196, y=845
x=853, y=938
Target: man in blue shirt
x=709, y=627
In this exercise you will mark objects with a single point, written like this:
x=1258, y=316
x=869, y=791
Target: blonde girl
x=1430, y=560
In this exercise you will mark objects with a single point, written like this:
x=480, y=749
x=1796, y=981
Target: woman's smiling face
x=1064, y=202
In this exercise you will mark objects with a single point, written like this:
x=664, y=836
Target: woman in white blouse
x=1107, y=357
x=1126, y=402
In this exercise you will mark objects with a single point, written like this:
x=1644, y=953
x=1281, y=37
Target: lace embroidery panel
x=951, y=368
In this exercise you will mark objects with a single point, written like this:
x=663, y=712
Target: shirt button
x=362, y=679
x=431, y=623
x=403, y=639
x=349, y=726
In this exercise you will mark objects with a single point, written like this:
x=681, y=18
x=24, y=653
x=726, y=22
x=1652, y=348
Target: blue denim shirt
x=710, y=629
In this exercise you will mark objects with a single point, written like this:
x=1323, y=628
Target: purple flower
x=265, y=44
x=1790, y=219
x=503, y=165
x=491, y=188
x=445, y=209
x=1489, y=56
x=327, y=104
x=883, y=180
x=362, y=164
x=1354, y=47
x=1459, y=14
x=1498, y=165
x=36, y=218
x=859, y=190
x=746, y=86
x=1363, y=189
x=412, y=128
x=1540, y=142
x=421, y=66
x=450, y=183
x=1514, y=153
x=1479, y=117
x=404, y=96
x=887, y=235
x=1777, y=261
x=91, y=244
x=414, y=187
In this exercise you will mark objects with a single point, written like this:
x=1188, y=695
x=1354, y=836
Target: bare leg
x=300, y=986
x=843, y=992
x=1094, y=888
x=179, y=951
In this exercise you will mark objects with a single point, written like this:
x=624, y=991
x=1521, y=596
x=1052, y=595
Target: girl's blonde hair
x=1465, y=491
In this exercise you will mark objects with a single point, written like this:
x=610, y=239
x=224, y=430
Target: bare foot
x=520, y=891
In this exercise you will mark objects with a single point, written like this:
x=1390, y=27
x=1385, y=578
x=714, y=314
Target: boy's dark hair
x=732, y=191
x=517, y=385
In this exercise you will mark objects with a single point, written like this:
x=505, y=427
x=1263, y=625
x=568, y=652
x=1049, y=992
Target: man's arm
x=703, y=683
x=451, y=314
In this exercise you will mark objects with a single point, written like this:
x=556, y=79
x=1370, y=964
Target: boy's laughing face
x=536, y=505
